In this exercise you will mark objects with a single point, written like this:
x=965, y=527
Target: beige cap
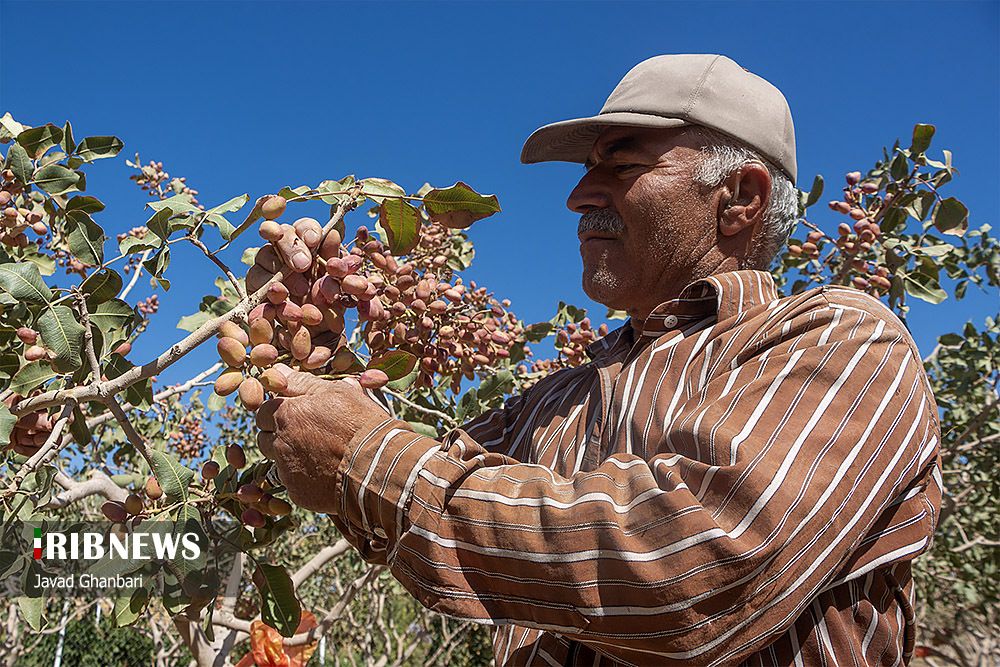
x=676, y=90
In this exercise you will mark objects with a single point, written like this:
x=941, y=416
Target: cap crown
x=713, y=91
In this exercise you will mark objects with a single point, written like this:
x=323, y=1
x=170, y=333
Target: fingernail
x=301, y=261
x=311, y=237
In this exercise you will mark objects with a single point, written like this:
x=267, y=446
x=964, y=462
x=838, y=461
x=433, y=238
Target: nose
x=590, y=193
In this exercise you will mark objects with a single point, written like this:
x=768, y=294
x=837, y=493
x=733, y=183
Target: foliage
x=86, y=435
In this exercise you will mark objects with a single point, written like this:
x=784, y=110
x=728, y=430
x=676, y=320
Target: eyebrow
x=627, y=143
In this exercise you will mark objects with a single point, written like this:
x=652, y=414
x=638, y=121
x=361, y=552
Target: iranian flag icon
x=38, y=543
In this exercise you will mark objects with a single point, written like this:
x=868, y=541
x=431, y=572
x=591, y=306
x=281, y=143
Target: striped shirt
x=741, y=479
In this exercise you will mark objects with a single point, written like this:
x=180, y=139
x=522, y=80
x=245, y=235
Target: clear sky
x=251, y=96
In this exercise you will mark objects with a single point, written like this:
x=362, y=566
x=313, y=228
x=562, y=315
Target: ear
x=747, y=194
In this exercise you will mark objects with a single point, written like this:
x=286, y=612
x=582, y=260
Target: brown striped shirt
x=742, y=479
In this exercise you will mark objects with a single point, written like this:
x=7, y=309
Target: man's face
x=647, y=228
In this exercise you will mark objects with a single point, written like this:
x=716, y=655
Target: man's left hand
x=307, y=431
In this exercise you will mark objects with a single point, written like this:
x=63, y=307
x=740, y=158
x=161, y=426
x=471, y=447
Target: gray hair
x=721, y=156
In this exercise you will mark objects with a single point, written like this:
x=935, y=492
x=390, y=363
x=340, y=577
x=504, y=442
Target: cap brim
x=572, y=140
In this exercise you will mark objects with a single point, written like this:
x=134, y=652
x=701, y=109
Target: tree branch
x=98, y=484
x=324, y=556
x=225, y=269
x=101, y=389
x=440, y=415
x=135, y=276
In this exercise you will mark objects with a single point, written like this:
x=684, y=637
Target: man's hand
x=291, y=245
x=306, y=432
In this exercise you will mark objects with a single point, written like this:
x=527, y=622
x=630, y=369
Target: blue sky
x=251, y=96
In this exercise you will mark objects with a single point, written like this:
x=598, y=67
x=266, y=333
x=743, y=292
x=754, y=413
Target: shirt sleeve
x=780, y=475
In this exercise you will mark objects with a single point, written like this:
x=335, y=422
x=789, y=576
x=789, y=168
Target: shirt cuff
x=375, y=483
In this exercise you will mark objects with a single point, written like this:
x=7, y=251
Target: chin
x=606, y=289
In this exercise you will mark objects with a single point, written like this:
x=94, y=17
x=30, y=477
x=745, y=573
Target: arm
x=678, y=557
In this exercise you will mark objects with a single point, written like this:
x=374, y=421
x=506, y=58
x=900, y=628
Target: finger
x=267, y=258
x=257, y=277
x=299, y=383
x=309, y=230
x=25, y=450
x=266, y=421
x=266, y=444
x=294, y=249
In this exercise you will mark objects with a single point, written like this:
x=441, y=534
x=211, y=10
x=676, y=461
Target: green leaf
x=7, y=421
x=55, y=179
x=131, y=601
x=226, y=229
x=535, y=333
x=85, y=203
x=37, y=140
x=215, y=402
x=113, y=315
x=159, y=262
x=79, y=429
x=616, y=314
x=251, y=218
x=159, y=223
x=923, y=286
x=101, y=286
x=377, y=189
x=9, y=128
x=468, y=406
x=31, y=377
x=459, y=206
x=405, y=382
x=815, y=192
x=396, y=364
x=234, y=204
x=951, y=216
x=495, y=385
x=31, y=609
x=178, y=204
x=85, y=238
x=899, y=168
x=295, y=194
x=24, y=283
x=131, y=245
x=921, y=206
x=935, y=250
x=67, y=143
x=95, y=148
x=174, y=478
x=399, y=222
x=279, y=608
x=63, y=335
x=192, y=322
x=19, y=162
x=921, y=139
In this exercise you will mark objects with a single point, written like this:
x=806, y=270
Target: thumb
x=299, y=383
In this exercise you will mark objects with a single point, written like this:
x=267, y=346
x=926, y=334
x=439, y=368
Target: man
x=734, y=479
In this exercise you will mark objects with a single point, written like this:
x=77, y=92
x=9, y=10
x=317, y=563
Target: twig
x=159, y=397
x=440, y=415
x=135, y=276
x=225, y=269
x=98, y=484
x=131, y=435
x=324, y=556
x=88, y=336
x=99, y=390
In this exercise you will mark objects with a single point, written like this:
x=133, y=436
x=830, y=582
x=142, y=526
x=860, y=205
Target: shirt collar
x=723, y=295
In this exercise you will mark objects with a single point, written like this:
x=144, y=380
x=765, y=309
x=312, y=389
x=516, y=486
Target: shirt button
x=670, y=321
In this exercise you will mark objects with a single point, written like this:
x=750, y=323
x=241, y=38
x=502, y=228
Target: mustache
x=601, y=220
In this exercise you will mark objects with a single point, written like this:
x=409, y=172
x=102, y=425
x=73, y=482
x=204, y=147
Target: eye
x=622, y=168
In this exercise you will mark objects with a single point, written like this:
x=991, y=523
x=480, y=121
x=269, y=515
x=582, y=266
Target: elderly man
x=735, y=478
